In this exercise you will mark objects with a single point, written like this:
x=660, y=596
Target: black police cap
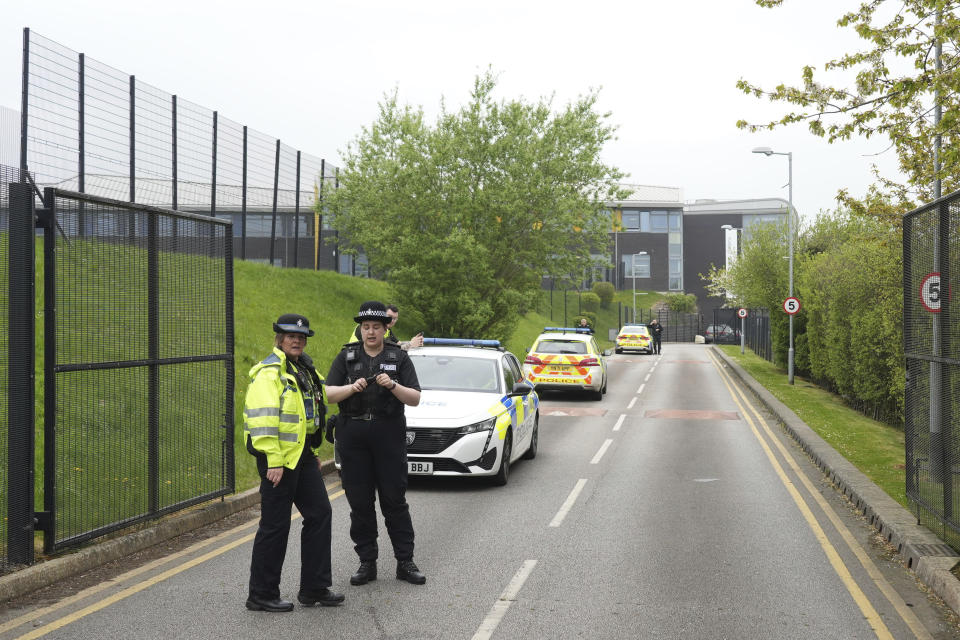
x=293, y=323
x=372, y=310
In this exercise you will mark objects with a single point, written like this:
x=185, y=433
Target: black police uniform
x=371, y=439
x=302, y=486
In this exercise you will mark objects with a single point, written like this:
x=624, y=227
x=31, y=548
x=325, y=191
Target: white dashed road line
x=507, y=598
x=617, y=426
x=633, y=400
x=603, y=450
x=568, y=503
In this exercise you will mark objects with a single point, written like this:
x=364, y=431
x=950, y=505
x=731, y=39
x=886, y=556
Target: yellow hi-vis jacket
x=275, y=412
x=354, y=338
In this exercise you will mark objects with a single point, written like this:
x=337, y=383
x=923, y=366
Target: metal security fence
x=677, y=326
x=90, y=128
x=931, y=248
x=756, y=326
x=137, y=326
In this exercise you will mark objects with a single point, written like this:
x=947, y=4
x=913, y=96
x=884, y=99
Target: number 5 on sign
x=930, y=292
x=791, y=305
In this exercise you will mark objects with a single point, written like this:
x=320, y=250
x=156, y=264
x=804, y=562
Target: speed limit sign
x=741, y=313
x=930, y=292
x=791, y=305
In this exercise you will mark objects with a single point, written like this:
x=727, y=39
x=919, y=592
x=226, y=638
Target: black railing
x=137, y=359
x=932, y=351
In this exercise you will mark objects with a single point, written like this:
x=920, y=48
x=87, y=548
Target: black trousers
x=656, y=344
x=373, y=459
x=304, y=488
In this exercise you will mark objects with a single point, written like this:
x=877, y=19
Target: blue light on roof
x=461, y=342
x=568, y=329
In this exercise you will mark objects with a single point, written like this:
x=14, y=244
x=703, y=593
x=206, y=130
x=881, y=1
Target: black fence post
x=174, y=222
x=47, y=520
x=153, y=372
x=81, y=140
x=133, y=156
x=24, y=105
x=945, y=399
x=296, y=218
x=908, y=416
x=318, y=232
x=243, y=201
x=229, y=363
x=20, y=362
x=213, y=177
x=273, y=220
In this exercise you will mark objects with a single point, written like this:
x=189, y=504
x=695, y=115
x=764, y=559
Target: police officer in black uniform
x=372, y=380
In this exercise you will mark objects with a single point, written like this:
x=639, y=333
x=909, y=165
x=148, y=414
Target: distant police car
x=565, y=358
x=634, y=337
x=476, y=414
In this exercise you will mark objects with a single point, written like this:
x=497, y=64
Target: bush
x=605, y=291
x=681, y=302
x=590, y=302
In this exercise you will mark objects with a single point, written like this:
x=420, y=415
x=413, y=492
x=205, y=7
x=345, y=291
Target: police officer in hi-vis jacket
x=283, y=412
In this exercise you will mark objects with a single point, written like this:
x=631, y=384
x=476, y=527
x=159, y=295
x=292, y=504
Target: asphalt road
x=673, y=508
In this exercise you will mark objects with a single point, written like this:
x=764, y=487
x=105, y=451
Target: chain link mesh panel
x=932, y=351
x=143, y=365
x=98, y=130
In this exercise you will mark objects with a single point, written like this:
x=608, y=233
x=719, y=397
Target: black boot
x=407, y=570
x=275, y=605
x=324, y=597
x=366, y=573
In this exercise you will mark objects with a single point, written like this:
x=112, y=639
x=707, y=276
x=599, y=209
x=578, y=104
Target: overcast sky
x=312, y=73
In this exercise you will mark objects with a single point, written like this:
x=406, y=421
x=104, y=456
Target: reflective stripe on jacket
x=274, y=413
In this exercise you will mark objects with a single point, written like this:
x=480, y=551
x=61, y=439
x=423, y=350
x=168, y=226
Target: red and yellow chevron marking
x=561, y=359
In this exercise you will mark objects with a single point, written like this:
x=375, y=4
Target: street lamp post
x=743, y=332
x=767, y=151
x=633, y=272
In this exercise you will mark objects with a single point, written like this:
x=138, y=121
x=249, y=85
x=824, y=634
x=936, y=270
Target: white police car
x=476, y=415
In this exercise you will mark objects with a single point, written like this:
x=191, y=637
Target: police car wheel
x=531, y=453
x=503, y=474
x=618, y=350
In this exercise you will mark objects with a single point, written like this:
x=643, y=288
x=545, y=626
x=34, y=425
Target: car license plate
x=419, y=468
x=559, y=368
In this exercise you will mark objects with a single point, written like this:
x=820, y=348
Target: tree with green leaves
x=465, y=217
x=895, y=86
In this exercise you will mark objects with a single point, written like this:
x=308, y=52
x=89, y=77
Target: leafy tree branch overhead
x=464, y=217
x=891, y=94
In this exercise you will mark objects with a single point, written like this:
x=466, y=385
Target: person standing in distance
x=283, y=411
x=372, y=381
x=393, y=313
x=656, y=330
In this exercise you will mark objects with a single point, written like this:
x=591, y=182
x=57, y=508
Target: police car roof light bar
x=461, y=342
x=568, y=329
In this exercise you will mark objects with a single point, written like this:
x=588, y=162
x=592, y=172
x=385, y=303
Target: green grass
x=875, y=448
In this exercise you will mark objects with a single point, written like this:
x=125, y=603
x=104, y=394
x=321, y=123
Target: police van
x=477, y=415
x=567, y=359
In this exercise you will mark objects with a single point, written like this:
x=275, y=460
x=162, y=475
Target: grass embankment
x=875, y=448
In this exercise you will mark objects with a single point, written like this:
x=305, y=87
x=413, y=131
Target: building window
x=658, y=221
x=642, y=264
x=645, y=221
x=676, y=284
x=631, y=219
x=675, y=221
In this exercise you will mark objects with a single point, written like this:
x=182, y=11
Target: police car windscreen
x=456, y=373
x=561, y=346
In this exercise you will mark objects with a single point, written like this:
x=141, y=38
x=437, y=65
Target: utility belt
x=369, y=415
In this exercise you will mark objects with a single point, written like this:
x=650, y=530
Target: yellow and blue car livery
x=565, y=359
x=476, y=415
x=634, y=337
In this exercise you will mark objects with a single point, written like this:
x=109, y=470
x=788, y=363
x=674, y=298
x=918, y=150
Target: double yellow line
x=139, y=586
x=870, y=614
